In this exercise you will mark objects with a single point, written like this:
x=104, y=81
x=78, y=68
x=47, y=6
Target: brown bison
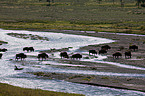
x=133, y=47
x=106, y=47
x=43, y=56
x=64, y=55
x=76, y=56
x=31, y=49
x=117, y=55
x=92, y=52
x=127, y=54
x=21, y=56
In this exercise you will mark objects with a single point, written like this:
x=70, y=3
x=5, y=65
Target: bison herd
x=127, y=53
x=74, y=56
x=44, y=56
x=103, y=50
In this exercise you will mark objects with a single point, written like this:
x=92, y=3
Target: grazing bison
x=1, y=55
x=93, y=52
x=128, y=54
x=31, y=49
x=117, y=55
x=102, y=51
x=106, y=47
x=20, y=56
x=76, y=56
x=3, y=50
x=43, y=56
x=64, y=55
x=133, y=47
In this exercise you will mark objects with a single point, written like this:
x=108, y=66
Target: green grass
x=8, y=90
x=72, y=15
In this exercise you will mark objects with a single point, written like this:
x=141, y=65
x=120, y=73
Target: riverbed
x=57, y=41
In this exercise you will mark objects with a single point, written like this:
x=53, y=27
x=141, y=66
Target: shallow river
x=56, y=40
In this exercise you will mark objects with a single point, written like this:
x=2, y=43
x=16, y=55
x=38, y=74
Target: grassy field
x=8, y=90
x=73, y=15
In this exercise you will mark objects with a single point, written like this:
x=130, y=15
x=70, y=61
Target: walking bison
x=31, y=49
x=42, y=56
x=92, y=52
x=21, y=56
x=127, y=54
x=133, y=47
x=3, y=50
x=117, y=55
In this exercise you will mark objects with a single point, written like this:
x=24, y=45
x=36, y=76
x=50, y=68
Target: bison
x=21, y=56
x=106, y=47
x=3, y=50
x=117, y=55
x=92, y=52
x=127, y=54
x=64, y=55
x=31, y=49
x=133, y=47
x=76, y=56
x=43, y=56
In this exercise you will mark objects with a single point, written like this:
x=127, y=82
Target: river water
x=57, y=41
